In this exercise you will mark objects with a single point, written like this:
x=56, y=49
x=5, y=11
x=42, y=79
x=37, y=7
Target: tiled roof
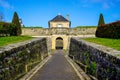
x=59, y=18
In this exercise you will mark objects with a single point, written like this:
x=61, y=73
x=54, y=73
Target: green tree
x=101, y=20
x=16, y=22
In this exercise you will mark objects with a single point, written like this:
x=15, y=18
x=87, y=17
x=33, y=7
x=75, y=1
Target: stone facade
x=99, y=61
x=59, y=24
x=17, y=59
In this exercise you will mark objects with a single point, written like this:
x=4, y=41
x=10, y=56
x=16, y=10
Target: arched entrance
x=59, y=43
x=59, y=39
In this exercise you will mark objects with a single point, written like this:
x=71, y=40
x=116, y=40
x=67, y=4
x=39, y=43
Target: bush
x=111, y=30
x=7, y=29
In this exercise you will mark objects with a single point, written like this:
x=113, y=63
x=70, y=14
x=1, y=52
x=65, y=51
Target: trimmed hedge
x=7, y=29
x=111, y=30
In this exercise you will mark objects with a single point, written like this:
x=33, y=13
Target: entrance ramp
x=57, y=68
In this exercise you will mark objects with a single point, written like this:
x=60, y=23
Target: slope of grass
x=113, y=43
x=13, y=39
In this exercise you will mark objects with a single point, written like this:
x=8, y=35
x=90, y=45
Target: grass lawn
x=113, y=43
x=86, y=27
x=13, y=39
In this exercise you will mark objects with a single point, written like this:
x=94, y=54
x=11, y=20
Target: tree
x=16, y=22
x=101, y=20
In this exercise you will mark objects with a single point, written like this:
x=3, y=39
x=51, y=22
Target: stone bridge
x=58, y=54
x=34, y=60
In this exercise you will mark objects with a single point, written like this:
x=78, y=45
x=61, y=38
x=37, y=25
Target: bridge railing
x=17, y=59
x=96, y=60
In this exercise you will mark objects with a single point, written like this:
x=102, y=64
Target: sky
x=81, y=12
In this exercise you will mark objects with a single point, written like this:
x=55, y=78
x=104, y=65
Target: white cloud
x=5, y=4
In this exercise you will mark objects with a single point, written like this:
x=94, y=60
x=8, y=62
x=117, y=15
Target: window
x=59, y=25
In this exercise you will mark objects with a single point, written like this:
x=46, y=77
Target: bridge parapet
x=99, y=61
x=17, y=59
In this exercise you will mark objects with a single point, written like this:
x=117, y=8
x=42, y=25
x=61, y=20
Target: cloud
x=5, y=4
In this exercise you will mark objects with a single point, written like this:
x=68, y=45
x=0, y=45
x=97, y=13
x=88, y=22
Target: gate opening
x=59, y=43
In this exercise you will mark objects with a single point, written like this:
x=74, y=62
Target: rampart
x=57, y=31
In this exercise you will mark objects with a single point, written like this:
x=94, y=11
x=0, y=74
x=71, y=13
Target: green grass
x=113, y=43
x=33, y=27
x=13, y=39
x=86, y=27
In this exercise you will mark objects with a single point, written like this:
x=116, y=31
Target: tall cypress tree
x=15, y=21
x=101, y=20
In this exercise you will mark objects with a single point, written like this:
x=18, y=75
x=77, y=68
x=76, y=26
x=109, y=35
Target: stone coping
x=9, y=47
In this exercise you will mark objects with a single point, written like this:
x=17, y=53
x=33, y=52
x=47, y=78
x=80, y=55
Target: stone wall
x=97, y=60
x=17, y=59
x=35, y=31
x=57, y=31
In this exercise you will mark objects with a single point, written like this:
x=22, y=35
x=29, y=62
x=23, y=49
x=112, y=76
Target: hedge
x=111, y=30
x=7, y=29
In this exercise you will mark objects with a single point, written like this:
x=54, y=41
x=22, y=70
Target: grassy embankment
x=13, y=39
x=113, y=43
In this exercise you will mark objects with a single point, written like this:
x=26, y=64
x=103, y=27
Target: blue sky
x=81, y=12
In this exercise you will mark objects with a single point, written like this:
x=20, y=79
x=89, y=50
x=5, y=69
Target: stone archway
x=59, y=43
x=63, y=38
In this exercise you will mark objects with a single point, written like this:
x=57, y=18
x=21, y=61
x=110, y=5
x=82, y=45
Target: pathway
x=57, y=68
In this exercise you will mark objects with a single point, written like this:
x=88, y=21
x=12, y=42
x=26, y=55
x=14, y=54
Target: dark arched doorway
x=59, y=43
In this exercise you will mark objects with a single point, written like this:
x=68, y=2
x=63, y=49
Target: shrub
x=111, y=30
x=7, y=29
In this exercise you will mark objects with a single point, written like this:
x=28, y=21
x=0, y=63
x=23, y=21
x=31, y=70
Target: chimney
x=67, y=17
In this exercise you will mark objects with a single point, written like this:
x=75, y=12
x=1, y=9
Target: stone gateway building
x=59, y=41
